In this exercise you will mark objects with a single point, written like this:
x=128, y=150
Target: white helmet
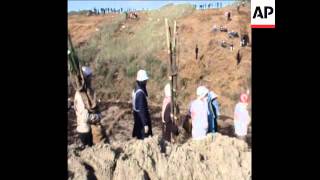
x=142, y=75
x=202, y=91
x=87, y=71
x=167, y=90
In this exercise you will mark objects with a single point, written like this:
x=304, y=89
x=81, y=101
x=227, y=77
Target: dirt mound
x=215, y=157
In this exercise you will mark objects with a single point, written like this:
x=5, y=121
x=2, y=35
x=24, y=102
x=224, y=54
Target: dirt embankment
x=215, y=157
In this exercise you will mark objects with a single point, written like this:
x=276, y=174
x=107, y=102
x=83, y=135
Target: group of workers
x=203, y=111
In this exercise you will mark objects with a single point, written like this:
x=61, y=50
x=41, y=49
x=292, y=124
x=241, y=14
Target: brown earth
x=215, y=157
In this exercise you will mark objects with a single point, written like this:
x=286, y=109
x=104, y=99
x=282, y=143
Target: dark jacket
x=142, y=117
x=168, y=127
x=213, y=114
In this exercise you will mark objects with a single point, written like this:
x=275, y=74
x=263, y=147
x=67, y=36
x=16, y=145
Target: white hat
x=202, y=91
x=167, y=90
x=212, y=94
x=142, y=75
x=87, y=71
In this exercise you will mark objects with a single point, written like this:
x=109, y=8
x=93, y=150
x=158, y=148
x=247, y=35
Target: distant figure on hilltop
x=238, y=57
x=197, y=51
x=103, y=11
x=228, y=15
x=244, y=41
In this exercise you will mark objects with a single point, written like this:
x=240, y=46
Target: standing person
x=88, y=115
x=213, y=112
x=238, y=57
x=199, y=114
x=241, y=117
x=227, y=14
x=142, y=122
x=197, y=51
x=169, y=127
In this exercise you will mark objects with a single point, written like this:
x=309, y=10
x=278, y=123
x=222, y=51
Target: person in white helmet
x=199, y=113
x=87, y=114
x=142, y=123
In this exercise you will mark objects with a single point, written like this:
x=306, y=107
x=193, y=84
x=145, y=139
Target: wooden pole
x=174, y=74
x=169, y=45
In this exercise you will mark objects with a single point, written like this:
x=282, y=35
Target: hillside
x=117, y=48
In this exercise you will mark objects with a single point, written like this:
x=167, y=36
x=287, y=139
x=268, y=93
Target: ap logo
x=263, y=14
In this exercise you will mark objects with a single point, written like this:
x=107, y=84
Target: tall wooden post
x=174, y=71
x=171, y=45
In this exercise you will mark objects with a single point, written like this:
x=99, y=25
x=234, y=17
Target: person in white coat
x=199, y=113
x=85, y=116
x=241, y=117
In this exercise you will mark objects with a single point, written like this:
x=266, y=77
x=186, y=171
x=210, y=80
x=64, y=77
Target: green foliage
x=131, y=70
x=114, y=53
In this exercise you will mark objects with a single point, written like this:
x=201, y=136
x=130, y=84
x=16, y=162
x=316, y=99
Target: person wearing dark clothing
x=238, y=57
x=197, y=51
x=244, y=40
x=86, y=138
x=169, y=127
x=213, y=112
x=142, y=123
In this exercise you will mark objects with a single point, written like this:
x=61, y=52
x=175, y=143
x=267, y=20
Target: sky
x=76, y=5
